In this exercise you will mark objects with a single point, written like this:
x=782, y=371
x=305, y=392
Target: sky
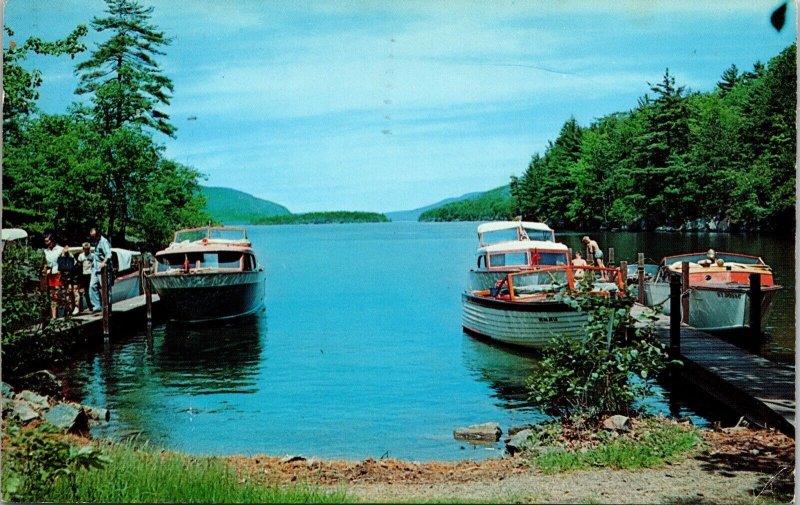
x=393, y=105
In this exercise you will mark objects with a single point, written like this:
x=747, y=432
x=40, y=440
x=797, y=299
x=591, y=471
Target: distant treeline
x=720, y=160
x=324, y=218
x=492, y=205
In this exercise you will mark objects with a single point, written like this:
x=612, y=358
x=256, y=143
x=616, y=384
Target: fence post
x=685, y=291
x=623, y=272
x=755, y=309
x=640, y=276
x=106, y=301
x=674, y=316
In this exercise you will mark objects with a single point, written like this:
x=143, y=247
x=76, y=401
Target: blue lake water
x=359, y=354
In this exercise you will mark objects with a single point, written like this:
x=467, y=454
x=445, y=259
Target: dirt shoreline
x=739, y=465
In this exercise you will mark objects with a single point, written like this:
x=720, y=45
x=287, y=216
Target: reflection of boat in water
x=512, y=246
x=223, y=357
x=719, y=284
x=505, y=369
x=209, y=273
x=522, y=308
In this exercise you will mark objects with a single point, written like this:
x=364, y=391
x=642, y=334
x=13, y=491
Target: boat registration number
x=722, y=294
x=548, y=319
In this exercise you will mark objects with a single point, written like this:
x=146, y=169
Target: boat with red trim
x=719, y=283
x=522, y=309
x=209, y=273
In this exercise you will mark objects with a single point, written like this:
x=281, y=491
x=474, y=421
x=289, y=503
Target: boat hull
x=713, y=309
x=197, y=296
x=125, y=287
x=531, y=325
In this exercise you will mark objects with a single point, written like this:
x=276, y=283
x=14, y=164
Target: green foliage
x=144, y=476
x=491, y=205
x=20, y=85
x=229, y=206
x=659, y=444
x=39, y=459
x=677, y=159
x=99, y=165
x=324, y=218
x=583, y=379
x=29, y=338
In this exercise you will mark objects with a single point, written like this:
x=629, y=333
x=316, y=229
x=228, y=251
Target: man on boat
x=100, y=260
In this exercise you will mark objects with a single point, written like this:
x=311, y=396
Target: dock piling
x=685, y=291
x=610, y=256
x=148, y=296
x=106, y=300
x=755, y=309
x=674, y=316
x=640, y=276
x=623, y=272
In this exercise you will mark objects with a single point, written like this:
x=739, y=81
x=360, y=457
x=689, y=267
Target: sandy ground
x=739, y=465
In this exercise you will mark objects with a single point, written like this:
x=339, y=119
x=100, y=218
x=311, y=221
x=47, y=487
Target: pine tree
x=122, y=74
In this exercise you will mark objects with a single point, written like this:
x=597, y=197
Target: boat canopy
x=14, y=234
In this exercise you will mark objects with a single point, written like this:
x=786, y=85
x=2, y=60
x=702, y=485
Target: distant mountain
x=413, y=215
x=230, y=206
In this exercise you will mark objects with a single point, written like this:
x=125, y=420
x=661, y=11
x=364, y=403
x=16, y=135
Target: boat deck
x=762, y=390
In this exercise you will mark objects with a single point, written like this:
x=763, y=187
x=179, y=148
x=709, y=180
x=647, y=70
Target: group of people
x=76, y=283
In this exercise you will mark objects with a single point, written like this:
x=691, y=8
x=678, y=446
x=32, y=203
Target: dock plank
x=763, y=390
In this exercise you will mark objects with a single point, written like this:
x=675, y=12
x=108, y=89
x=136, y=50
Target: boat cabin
x=230, y=260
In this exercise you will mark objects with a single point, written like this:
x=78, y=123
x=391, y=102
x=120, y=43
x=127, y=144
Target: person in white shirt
x=50, y=269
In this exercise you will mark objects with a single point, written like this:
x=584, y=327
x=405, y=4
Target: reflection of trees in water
x=504, y=368
x=211, y=358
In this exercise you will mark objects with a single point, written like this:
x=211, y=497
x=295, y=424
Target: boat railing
x=552, y=279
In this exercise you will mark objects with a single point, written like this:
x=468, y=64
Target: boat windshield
x=512, y=234
x=222, y=259
x=726, y=257
x=211, y=234
x=545, y=235
x=508, y=259
x=539, y=281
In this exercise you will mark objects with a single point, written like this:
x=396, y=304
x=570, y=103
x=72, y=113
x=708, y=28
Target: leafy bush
x=583, y=379
x=29, y=337
x=37, y=459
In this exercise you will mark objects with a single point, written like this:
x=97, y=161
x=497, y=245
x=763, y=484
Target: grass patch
x=140, y=476
x=659, y=443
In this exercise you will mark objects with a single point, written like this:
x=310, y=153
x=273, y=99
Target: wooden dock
x=124, y=311
x=761, y=390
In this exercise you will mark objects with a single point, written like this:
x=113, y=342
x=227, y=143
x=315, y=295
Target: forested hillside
x=229, y=206
x=723, y=159
x=491, y=205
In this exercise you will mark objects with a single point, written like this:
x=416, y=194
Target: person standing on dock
x=50, y=269
x=100, y=259
x=85, y=261
x=594, y=251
